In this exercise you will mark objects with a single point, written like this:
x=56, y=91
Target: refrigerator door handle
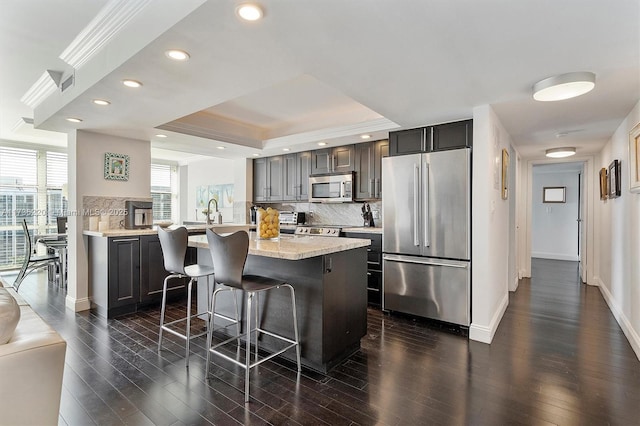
x=424, y=261
x=425, y=203
x=416, y=205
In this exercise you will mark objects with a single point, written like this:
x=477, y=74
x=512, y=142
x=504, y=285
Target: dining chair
x=31, y=261
x=229, y=254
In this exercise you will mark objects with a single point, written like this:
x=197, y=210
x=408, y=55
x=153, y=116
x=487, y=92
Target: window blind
x=161, y=177
x=56, y=169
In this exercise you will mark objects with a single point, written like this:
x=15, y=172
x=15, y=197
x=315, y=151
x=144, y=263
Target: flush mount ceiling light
x=74, y=120
x=564, y=86
x=101, y=102
x=560, y=152
x=177, y=55
x=249, y=11
x=131, y=83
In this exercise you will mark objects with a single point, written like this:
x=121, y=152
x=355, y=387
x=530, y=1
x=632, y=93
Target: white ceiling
x=315, y=71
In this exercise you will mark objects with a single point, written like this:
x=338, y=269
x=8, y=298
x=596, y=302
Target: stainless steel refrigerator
x=427, y=235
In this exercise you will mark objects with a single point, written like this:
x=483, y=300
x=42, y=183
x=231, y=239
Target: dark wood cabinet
x=374, y=266
x=340, y=159
x=440, y=137
x=408, y=141
x=152, y=272
x=123, y=272
x=268, y=179
x=369, y=169
x=296, y=170
x=453, y=135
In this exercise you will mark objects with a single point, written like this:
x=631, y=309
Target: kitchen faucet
x=219, y=215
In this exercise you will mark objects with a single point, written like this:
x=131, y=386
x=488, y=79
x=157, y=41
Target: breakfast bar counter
x=329, y=276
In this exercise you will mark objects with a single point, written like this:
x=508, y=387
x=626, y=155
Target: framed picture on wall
x=614, y=179
x=116, y=166
x=554, y=194
x=604, y=191
x=505, y=174
x=634, y=159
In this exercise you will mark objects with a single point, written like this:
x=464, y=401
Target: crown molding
x=40, y=90
x=106, y=24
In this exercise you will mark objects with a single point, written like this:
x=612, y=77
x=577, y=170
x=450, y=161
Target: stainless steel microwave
x=331, y=188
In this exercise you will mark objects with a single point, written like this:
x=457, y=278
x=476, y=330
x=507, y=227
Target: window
x=161, y=191
x=31, y=183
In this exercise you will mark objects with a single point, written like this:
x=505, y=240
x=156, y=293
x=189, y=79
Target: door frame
x=526, y=201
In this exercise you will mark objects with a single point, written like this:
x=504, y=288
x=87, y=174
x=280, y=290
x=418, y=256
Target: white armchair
x=31, y=368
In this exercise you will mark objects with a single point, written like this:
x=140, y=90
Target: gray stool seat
x=174, y=249
x=229, y=254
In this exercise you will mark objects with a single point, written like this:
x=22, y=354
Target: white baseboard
x=484, y=334
x=514, y=285
x=632, y=335
x=555, y=256
x=77, y=305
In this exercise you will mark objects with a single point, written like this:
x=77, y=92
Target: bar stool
x=174, y=249
x=229, y=254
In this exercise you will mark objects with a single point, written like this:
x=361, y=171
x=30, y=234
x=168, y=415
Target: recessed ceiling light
x=249, y=12
x=131, y=83
x=220, y=147
x=286, y=149
x=101, y=102
x=74, y=120
x=564, y=86
x=160, y=135
x=322, y=143
x=256, y=155
x=560, y=152
x=365, y=136
x=177, y=55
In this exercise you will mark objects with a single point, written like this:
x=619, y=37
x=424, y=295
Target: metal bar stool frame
x=174, y=248
x=230, y=276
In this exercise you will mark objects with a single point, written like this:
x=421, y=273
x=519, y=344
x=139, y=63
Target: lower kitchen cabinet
x=128, y=272
x=374, y=266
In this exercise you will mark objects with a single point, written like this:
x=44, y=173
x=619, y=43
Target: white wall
x=86, y=177
x=618, y=255
x=213, y=171
x=490, y=226
x=554, y=230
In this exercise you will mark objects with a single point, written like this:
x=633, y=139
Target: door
x=581, y=240
x=401, y=204
x=445, y=204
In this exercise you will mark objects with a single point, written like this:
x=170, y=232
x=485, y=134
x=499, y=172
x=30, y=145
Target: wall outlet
x=375, y=214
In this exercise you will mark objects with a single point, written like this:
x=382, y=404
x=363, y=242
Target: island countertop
x=223, y=227
x=292, y=247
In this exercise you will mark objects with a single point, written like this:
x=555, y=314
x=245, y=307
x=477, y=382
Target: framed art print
x=614, y=179
x=634, y=159
x=116, y=166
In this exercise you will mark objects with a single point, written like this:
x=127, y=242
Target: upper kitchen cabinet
x=268, y=179
x=297, y=168
x=441, y=137
x=452, y=135
x=408, y=141
x=369, y=169
x=340, y=159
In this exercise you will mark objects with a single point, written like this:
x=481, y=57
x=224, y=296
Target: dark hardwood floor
x=558, y=357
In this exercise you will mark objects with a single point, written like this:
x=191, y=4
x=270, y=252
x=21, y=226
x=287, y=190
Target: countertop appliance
x=426, y=235
x=139, y=214
x=292, y=218
x=331, y=188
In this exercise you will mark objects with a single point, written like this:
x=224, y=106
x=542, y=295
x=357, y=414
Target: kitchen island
x=126, y=267
x=329, y=276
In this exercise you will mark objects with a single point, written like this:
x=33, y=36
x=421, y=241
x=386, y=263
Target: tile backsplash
x=94, y=205
x=333, y=213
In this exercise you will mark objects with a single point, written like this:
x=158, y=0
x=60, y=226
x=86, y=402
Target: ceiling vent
x=67, y=83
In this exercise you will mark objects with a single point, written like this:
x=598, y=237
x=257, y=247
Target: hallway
x=558, y=357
